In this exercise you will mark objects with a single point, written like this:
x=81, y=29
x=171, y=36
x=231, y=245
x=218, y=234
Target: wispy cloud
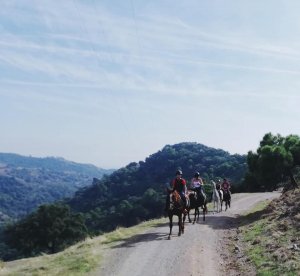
x=89, y=30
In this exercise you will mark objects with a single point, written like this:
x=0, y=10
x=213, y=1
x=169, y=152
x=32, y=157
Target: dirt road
x=197, y=252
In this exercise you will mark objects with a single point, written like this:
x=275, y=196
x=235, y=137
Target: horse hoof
x=169, y=237
x=179, y=234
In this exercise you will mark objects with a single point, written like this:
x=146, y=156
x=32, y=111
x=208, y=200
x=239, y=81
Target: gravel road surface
x=197, y=252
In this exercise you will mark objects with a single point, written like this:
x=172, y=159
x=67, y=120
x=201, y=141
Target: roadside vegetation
x=76, y=260
x=137, y=193
x=271, y=235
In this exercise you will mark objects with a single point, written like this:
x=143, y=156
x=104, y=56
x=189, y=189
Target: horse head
x=214, y=184
x=176, y=200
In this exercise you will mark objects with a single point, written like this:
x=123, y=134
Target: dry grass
x=76, y=260
x=272, y=236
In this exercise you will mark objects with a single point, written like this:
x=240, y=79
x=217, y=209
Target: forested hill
x=137, y=191
x=26, y=182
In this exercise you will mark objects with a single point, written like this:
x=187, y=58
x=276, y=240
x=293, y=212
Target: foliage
x=137, y=192
x=50, y=229
x=126, y=197
x=81, y=258
x=271, y=235
x=276, y=159
x=27, y=182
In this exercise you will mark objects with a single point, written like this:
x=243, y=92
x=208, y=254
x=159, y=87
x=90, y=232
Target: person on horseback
x=178, y=184
x=225, y=186
x=197, y=185
x=218, y=185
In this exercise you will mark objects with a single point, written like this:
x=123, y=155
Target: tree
x=276, y=159
x=50, y=229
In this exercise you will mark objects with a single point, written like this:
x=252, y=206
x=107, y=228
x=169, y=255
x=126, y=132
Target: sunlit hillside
x=76, y=260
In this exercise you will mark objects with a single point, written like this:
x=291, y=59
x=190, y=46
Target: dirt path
x=198, y=252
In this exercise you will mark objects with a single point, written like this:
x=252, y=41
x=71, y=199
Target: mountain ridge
x=139, y=188
x=26, y=182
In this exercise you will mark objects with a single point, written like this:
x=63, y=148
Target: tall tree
x=50, y=229
x=276, y=159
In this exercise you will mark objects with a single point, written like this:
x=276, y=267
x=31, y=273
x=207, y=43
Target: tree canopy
x=27, y=182
x=276, y=159
x=50, y=229
x=137, y=191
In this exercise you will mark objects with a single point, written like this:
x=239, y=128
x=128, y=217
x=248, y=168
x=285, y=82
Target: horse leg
x=188, y=213
x=171, y=225
x=214, y=205
x=180, y=224
x=195, y=215
x=183, y=220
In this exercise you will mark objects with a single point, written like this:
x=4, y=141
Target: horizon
x=116, y=168
x=111, y=83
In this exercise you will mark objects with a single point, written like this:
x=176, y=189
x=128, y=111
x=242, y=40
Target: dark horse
x=226, y=199
x=197, y=201
x=176, y=207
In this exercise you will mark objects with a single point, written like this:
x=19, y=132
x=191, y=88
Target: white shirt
x=196, y=183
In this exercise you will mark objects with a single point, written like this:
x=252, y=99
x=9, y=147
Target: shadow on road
x=146, y=237
x=214, y=221
x=224, y=222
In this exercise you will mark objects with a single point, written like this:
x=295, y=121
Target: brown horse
x=226, y=199
x=176, y=207
x=197, y=201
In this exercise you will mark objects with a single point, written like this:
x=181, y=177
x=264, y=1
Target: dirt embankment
x=202, y=250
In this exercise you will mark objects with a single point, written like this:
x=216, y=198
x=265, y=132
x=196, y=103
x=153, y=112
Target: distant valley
x=27, y=182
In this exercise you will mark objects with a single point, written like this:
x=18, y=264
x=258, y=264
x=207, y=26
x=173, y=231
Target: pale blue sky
x=111, y=82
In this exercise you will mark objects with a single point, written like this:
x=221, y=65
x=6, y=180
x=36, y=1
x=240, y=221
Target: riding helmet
x=178, y=172
x=197, y=174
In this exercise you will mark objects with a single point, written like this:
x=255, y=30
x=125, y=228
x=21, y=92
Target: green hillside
x=137, y=192
x=126, y=197
x=27, y=182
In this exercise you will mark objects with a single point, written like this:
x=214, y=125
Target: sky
x=112, y=82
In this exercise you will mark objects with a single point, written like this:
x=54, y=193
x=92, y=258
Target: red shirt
x=178, y=184
x=226, y=185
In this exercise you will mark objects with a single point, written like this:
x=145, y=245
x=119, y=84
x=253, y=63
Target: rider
x=197, y=184
x=218, y=185
x=178, y=184
x=225, y=186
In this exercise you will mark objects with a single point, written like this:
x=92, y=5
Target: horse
x=216, y=198
x=196, y=200
x=176, y=207
x=226, y=198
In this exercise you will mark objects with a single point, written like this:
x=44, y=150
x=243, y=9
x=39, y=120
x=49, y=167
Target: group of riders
x=179, y=184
